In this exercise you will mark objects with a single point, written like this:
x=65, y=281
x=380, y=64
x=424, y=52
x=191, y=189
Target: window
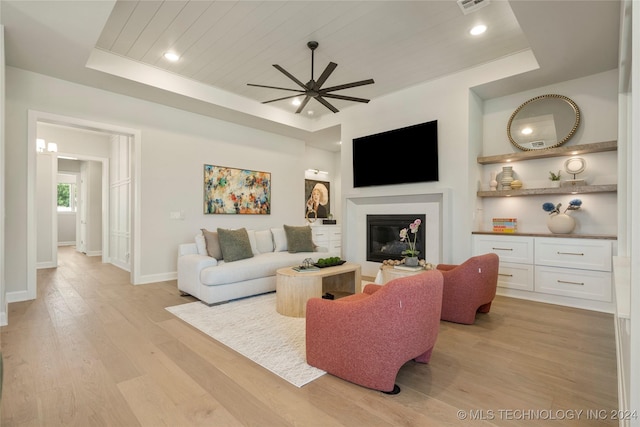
x=67, y=197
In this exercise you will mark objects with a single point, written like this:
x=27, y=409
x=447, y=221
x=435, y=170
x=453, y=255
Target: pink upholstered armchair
x=469, y=288
x=366, y=338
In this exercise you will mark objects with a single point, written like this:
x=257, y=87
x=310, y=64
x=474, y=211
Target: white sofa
x=214, y=281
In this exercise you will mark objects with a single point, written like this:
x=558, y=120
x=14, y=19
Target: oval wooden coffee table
x=294, y=288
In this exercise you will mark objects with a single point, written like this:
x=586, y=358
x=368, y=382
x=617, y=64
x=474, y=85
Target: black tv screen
x=399, y=156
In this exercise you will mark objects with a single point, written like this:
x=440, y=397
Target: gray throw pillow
x=235, y=244
x=299, y=239
x=212, y=244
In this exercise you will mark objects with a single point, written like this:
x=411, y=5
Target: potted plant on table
x=555, y=179
x=411, y=254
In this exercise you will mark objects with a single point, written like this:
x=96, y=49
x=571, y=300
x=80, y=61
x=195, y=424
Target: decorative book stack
x=305, y=269
x=505, y=225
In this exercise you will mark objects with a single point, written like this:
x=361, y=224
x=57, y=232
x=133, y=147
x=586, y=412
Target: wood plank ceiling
x=227, y=44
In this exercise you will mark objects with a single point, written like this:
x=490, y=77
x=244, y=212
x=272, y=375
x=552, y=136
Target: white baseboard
x=46, y=264
x=154, y=278
x=120, y=265
x=73, y=243
x=93, y=253
x=602, y=306
x=4, y=321
x=17, y=296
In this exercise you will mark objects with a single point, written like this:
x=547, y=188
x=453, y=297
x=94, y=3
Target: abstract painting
x=236, y=191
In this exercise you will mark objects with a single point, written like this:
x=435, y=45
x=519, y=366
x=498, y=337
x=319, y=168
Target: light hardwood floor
x=93, y=350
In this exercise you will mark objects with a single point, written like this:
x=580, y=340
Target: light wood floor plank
x=94, y=350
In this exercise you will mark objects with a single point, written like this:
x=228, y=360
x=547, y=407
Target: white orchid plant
x=404, y=237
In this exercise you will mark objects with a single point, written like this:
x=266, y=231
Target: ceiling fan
x=313, y=89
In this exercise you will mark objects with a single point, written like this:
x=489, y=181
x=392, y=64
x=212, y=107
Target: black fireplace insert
x=383, y=236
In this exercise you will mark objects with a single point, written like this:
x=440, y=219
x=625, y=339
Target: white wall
x=175, y=145
x=449, y=101
x=92, y=174
x=595, y=95
x=46, y=198
x=66, y=228
x=3, y=300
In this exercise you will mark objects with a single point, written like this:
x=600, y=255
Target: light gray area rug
x=254, y=328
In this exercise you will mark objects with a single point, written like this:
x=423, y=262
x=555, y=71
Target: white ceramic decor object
x=561, y=223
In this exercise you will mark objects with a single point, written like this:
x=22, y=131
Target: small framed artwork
x=236, y=191
x=317, y=198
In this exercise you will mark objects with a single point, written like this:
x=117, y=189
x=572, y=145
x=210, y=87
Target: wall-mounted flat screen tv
x=399, y=156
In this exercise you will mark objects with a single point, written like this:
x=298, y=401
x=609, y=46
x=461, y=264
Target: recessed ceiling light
x=526, y=131
x=311, y=112
x=171, y=56
x=296, y=101
x=477, y=30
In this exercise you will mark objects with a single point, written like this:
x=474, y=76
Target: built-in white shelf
x=581, y=189
x=563, y=151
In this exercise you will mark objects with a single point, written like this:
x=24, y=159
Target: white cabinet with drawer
x=328, y=236
x=515, y=276
x=509, y=248
x=586, y=254
x=516, y=259
x=578, y=268
x=568, y=271
x=587, y=284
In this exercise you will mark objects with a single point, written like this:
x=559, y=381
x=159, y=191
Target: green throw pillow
x=235, y=244
x=299, y=239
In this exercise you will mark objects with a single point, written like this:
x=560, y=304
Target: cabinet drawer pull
x=571, y=283
x=505, y=275
x=502, y=249
x=570, y=253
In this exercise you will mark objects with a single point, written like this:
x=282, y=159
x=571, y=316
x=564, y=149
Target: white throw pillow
x=264, y=241
x=201, y=245
x=252, y=241
x=279, y=239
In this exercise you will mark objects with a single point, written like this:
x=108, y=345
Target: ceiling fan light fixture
x=313, y=88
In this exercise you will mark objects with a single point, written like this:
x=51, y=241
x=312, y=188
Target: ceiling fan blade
x=303, y=104
x=345, y=98
x=349, y=85
x=276, y=87
x=326, y=104
x=280, y=99
x=326, y=73
x=286, y=73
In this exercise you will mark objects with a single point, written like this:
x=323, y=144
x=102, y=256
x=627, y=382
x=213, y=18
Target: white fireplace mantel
x=435, y=206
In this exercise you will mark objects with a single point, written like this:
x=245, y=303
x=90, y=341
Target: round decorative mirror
x=546, y=121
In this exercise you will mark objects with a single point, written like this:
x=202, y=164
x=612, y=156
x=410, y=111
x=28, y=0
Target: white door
x=120, y=202
x=81, y=244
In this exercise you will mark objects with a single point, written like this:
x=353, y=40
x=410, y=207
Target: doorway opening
x=117, y=190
